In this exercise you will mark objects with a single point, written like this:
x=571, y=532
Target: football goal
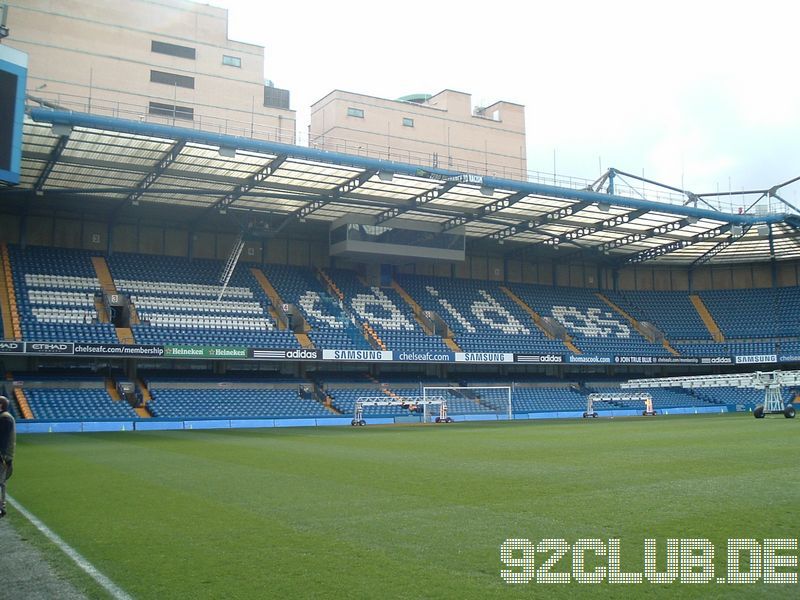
x=474, y=400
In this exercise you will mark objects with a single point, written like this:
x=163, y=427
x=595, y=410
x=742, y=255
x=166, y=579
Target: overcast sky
x=705, y=93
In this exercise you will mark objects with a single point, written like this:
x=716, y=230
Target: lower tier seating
x=230, y=403
x=76, y=403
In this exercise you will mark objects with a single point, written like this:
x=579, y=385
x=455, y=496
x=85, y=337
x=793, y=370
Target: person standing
x=8, y=442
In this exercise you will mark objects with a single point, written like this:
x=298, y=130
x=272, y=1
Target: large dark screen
x=8, y=92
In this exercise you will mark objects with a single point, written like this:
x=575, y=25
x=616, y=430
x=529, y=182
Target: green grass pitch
x=406, y=511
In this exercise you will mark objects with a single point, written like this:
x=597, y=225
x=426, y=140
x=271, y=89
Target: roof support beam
x=240, y=190
x=639, y=236
x=588, y=230
x=720, y=246
x=419, y=200
x=652, y=253
x=326, y=198
x=539, y=221
x=52, y=160
x=485, y=211
x=166, y=161
x=243, y=188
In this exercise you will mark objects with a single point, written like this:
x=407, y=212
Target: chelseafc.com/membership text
x=679, y=560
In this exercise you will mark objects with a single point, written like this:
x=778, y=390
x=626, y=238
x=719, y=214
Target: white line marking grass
x=76, y=557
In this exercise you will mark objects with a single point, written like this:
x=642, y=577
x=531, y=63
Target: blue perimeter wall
x=171, y=424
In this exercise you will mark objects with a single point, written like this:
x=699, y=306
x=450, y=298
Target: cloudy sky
x=703, y=94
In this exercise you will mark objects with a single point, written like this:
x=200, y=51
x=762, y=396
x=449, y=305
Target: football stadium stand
x=331, y=326
x=386, y=313
x=671, y=311
x=177, y=303
x=234, y=400
x=66, y=403
x=595, y=328
x=481, y=317
x=55, y=291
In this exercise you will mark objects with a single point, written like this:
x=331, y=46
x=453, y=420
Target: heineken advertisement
x=205, y=352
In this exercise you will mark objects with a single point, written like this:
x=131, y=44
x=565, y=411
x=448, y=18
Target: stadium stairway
x=8, y=299
x=635, y=324
x=102, y=313
x=416, y=308
x=276, y=300
x=304, y=340
x=22, y=402
x=271, y=293
x=104, y=275
x=106, y=284
x=332, y=287
x=112, y=390
x=142, y=388
x=372, y=336
x=708, y=319
x=328, y=403
x=5, y=309
x=537, y=319
x=451, y=343
x=124, y=334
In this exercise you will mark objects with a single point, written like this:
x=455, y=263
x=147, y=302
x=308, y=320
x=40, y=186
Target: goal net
x=487, y=401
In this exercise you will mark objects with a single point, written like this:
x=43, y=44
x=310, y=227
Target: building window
x=172, y=111
x=231, y=61
x=276, y=97
x=172, y=49
x=355, y=112
x=172, y=79
x=408, y=122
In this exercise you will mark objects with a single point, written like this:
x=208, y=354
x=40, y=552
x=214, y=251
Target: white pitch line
x=76, y=557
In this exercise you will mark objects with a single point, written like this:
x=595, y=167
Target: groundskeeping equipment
x=771, y=382
x=619, y=397
x=415, y=404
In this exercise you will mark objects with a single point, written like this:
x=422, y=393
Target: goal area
x=474, y=402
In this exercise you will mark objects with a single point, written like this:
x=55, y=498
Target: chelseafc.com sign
x=685, y=560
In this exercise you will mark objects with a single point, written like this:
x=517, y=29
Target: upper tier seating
x=482, y=317
x=787, y=312
x=672, y=312
x=744, y=314
x=755, y=313
x=76, y=403
x=55, y=290
x=387, y=313
x=331, y=326
x=177, y=303
x=595, y=328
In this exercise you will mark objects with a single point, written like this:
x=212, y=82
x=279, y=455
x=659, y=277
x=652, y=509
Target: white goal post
x=486, y=399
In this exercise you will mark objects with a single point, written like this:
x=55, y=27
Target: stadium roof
x=125, y=166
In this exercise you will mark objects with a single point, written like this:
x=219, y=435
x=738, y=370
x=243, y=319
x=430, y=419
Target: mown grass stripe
x=108, y=585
